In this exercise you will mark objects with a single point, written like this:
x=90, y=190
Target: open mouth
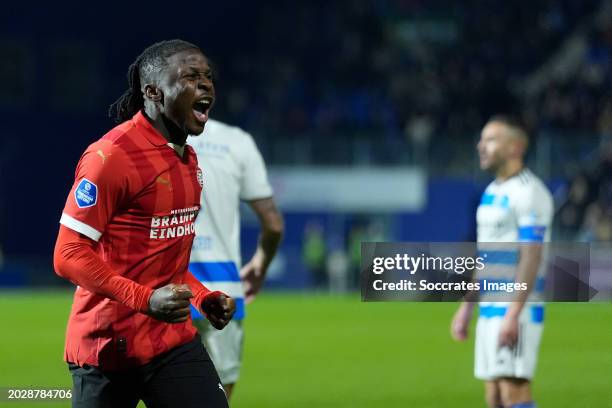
x=201, y=108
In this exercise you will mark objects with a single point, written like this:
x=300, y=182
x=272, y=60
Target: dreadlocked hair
x=143, y=70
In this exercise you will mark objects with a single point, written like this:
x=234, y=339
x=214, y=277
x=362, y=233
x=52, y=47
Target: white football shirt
x=519, y=209
x=233, y=170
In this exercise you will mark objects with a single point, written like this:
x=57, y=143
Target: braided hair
x=143, y=70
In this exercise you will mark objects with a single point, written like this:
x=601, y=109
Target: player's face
x=188, y=90
x=494, y=146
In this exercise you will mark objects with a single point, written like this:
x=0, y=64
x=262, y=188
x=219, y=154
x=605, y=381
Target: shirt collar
x=152, y=134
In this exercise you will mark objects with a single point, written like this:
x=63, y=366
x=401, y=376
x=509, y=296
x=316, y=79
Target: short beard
x=494, y=165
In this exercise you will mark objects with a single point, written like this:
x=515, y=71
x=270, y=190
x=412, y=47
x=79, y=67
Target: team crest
x=200, y=177
x=86, y=194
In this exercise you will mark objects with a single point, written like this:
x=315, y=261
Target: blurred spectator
x=338, y=270
x=597, y=224
x=571, y=214
x=586, y=213
x=582, y=101
x=356, y=236
x=314, y=252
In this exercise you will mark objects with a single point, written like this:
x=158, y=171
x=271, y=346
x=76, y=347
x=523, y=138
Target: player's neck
x=509, y=170
x=172, y=133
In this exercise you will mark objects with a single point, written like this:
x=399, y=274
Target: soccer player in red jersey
x=125, y=239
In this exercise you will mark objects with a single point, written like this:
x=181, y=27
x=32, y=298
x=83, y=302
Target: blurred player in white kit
x=233, y=171
x=515, y=208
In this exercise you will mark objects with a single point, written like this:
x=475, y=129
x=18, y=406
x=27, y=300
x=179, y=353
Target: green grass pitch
x=308, y=350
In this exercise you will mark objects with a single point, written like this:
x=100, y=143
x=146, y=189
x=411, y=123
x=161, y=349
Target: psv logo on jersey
x=86, y=194
x=200, y=177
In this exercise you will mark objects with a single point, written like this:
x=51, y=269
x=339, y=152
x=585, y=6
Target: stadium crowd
x=363, y=71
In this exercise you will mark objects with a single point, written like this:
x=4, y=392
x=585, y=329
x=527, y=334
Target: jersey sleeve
x=534, y=213
x=198, y=290
x=100, y=185
x=254, y=182
x=75, y=259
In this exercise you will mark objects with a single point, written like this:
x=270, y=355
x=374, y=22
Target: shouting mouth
x=201, y=108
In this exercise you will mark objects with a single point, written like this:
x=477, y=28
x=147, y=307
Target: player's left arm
x=271, y=221
x=218, y=307
x=534, y=215
x=527, y=270
x=255, y=189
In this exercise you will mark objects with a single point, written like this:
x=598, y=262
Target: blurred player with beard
x=515, y=208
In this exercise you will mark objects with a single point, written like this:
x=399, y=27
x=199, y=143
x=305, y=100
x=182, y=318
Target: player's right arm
x=75, y=259
x=100, y=186
x=461, y=321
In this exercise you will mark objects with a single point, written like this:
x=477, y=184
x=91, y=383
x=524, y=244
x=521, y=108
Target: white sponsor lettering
x=178, y=224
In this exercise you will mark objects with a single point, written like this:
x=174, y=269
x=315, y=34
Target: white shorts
x=224, y=347
x=493, y=361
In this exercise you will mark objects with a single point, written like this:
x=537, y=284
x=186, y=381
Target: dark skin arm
x=253, y=272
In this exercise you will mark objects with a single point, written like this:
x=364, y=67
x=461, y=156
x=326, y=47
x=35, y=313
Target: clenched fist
x=218, y=308
x=170, y=303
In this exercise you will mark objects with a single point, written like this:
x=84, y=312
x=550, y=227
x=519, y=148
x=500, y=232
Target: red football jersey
x=138, y=199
